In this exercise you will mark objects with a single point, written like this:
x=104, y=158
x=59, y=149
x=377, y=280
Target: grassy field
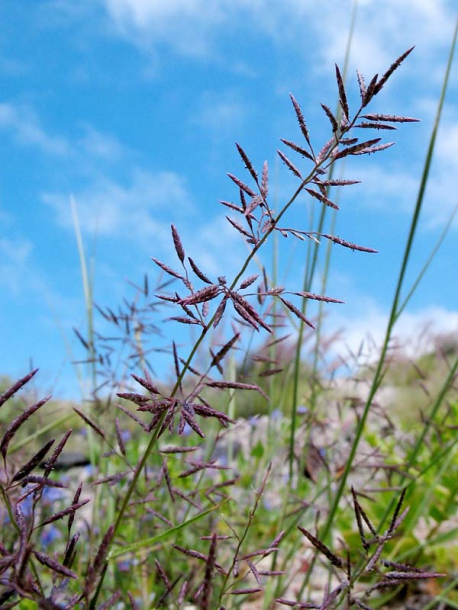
x=336, y=489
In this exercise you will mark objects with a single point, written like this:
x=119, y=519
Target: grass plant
x=195, y=507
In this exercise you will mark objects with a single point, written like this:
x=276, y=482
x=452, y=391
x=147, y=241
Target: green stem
x=394, y=313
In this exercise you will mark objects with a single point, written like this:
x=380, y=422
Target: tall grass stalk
x=272, y=225
x=172, y=530
x=396, y=306
x=310, y=270
x=87, y=279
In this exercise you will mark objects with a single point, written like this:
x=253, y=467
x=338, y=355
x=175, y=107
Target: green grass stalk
x=394, y=313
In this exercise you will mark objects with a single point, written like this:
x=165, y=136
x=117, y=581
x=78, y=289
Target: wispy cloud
x=186, y=25
x=100, y=145
x=442, y=196
x=131, y=211
x=27, y=130
x=192, y=26
x=362, y=330
x=221, y=112
x=393, y=187
x=14, y=257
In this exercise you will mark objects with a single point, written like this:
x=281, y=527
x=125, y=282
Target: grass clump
x=184, y=505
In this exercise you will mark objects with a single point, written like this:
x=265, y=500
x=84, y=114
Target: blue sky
x=132, y=107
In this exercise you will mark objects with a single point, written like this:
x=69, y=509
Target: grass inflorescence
x=162, y=496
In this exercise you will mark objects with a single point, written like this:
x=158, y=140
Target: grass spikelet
x=33, y=462
x=356, y=148
x=239, y=228
x=362, y=85
x=331, y=117
x=297, y=149
x=177, y=243
x=394, y=66
x=190, y=420
x=18, y=422
x=289, y=164
x=204, y=294
x=397, y=519
x=121, y=445
x=322, y=198
x=236, y=385
x=248, y=312
x=205, y=602
x=64, y=513
x=218, y=357
x=349, y=244
x=248, y=281
x=248, y=163
x=265, y=181
x=184, y=320
x=322, y=548
x=100, y=558
x=70, y=551
x=342, y=94
x=16, y=387
x=390, y=118
x=297, y=312
x=317, y=297
x=198, y=272
x=54, y=565
x=56, y=453
x=242, y=186
x=90, y=423
x=366, y=125
x=301, y=121
x=146, y=383
x=167, y=269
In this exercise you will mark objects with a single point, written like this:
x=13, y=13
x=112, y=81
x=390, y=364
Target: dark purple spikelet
x=322, y=548
x=177, y=243
x=18, y=421
x=248, y=164
x=16, y=387
x=331, y=118
x=198, y=272
x=394, y=66
x=322, y=198
x=33, y=462
x=289, y=164
x=301, y=121
x=342, y=94
x=242, y=186
x=205, y=600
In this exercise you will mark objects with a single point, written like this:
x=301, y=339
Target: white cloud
x=221, y=112
x=141, y=213
x=389, y=189
x=27, y=130
x=441, y=193
x=394, y=187
x=14, y=258
x=187, y=25
x=363, y=329
x=383, y=29
x=109, y=209
x=100, y=145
